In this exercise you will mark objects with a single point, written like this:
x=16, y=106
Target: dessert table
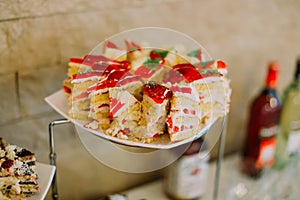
x=234, y=185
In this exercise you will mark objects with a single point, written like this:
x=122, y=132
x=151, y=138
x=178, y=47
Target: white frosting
x=92, y=125
x=98, y=108
x=10, y=151
x=98, y=91
x=207, y=80
x=155, y=116
x=223, y=71
x=123, y=97
x=90, y=78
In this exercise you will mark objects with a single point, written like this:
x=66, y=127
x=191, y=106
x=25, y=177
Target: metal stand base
x=220, y=158
x=52, y=154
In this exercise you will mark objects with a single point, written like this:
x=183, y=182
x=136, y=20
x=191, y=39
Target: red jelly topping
x=115, y=105
x=112, y=45
x=154, y=55
x=107, y=83
x=221, y=64
x=144, y=72
x=76, y=60
x=175, y=129
x=182, y=89
x=96, y=58
x=173, y=77
x=157, y=92
x=116, y=75
x=128, y=78
x=108, y=67
x=169, y=122
x=158, y=56
x=115, y=78
x=67, y=89
x=189, y=72
x=125, y=64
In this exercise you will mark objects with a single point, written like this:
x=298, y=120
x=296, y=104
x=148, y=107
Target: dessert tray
x=58, y=101
x=45, y=173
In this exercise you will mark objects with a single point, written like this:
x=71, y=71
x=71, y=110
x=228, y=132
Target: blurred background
x=37, y=38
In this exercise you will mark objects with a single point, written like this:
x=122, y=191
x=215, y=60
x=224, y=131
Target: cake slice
x=184, y=119
x=125, y=113
x=79, y=101
x=152, y=69
x=155, y=106
x=99, y=101
x=18, y=175
x=86, y=64
x=211, y=86
x=75, y=65
x=99, y=94
x=214, y=89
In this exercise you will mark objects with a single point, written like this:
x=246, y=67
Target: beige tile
x=28, y=43
x=9, y=105
x=23, y=9
x=10, y=34
x=79, y=33
x=36, y=84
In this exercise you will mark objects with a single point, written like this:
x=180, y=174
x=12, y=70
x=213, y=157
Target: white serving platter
x=58, y=101
x=45, y=173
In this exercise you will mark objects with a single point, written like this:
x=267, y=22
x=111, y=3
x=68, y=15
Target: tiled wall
x=38, y=36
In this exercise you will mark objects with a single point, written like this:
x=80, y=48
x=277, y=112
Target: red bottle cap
x=271, y=80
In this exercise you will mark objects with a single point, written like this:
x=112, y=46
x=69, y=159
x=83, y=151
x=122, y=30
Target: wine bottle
x=186, y=178
x=263, y=121
x=288, y=139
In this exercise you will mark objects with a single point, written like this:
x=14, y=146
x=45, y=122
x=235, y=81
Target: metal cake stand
x=52, y=155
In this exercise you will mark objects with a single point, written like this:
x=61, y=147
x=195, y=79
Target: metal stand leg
x=52, y=154
x=220, y=158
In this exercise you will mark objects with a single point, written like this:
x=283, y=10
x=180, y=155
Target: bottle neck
x=271, y=79
x=267, y=91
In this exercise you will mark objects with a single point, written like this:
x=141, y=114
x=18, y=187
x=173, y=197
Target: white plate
x=45, y=173
x=58, y=101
